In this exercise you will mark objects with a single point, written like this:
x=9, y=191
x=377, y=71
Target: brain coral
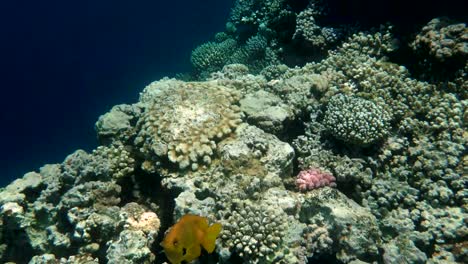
x=183, y=121
x=356, y=120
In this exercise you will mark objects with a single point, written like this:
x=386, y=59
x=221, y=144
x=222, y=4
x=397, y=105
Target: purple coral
x=314, y=178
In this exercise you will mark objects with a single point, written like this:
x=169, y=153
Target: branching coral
x=355, y=120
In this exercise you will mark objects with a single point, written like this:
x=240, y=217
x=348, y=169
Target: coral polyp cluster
x=355, y=120
x=183, y=121
x=314, y=178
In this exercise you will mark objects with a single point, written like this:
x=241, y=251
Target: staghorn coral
x=183, y=121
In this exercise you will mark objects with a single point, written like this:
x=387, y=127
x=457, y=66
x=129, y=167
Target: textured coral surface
x=183, y=122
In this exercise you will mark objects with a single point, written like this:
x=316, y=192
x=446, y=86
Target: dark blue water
x=63, y=63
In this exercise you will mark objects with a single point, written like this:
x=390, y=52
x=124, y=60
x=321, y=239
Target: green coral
x=356, y=120
x=256, y=45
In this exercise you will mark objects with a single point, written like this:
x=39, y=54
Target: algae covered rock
x=252, y=150
x=118, y=125
x=403, y=251
x=267, y=111
x=353, y=228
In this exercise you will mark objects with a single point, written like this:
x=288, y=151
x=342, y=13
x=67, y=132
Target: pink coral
x=314, y=178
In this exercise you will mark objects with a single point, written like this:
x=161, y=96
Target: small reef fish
x=185, y=239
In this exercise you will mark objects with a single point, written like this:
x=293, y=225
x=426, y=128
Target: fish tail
x=212, y=233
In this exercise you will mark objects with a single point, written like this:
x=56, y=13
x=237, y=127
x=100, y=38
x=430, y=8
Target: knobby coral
x=314, y=178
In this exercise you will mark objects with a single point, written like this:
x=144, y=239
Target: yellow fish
x=185, y=239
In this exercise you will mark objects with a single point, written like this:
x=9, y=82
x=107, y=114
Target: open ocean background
x=65, y=63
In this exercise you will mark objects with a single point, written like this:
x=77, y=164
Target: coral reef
x=419, y=166
x=353, y=229
x=70, y=211
x=391, y=143
x=257, y=12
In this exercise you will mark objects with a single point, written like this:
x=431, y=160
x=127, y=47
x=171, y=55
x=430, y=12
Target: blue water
x=64, y=63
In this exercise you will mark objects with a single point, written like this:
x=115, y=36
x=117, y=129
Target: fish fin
x=209, y=242
x=192, y=253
